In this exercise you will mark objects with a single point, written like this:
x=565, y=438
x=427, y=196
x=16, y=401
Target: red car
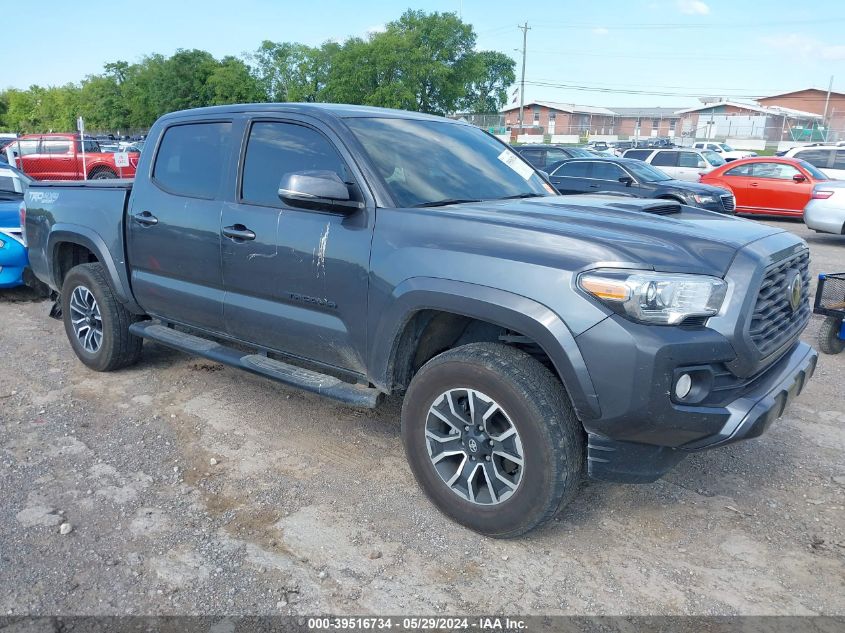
x=767, y=185
x=59, y=157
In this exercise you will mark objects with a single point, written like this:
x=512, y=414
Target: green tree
x=232, y=82
x=491, y=75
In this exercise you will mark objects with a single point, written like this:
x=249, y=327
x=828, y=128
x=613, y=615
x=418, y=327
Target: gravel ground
x=192, y=488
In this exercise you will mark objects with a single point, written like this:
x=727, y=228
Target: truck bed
x=89, y=213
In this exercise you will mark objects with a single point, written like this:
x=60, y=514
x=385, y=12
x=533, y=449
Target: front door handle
x=238, y=232
x=146, y=218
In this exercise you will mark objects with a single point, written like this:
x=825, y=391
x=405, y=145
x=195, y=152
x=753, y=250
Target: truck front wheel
x=96, y=323
x=492, y=438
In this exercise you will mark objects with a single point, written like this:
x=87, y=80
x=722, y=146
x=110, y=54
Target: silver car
x=826, y=210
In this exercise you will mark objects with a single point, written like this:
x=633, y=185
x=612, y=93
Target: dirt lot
x=194, y=488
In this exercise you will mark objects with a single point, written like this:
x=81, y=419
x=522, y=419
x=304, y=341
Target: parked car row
x=710, y=176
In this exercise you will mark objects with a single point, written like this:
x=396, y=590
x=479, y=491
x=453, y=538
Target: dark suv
x=544, y=156
x=635, y=178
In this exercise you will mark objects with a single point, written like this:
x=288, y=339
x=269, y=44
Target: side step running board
x=306, y=379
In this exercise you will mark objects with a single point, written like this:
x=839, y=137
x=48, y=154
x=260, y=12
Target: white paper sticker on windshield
x=513, y=161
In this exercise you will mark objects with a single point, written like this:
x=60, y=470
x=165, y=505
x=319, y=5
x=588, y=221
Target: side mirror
x=544, y=174
x=318, y=190
x=626, y=180
x=799, y=178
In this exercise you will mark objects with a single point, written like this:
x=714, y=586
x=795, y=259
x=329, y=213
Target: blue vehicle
x=13, y=255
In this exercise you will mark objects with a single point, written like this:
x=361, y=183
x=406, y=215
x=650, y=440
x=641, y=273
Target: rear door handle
x=593, y=186
x=146, y=218
x=753, y=184
x=238, y=232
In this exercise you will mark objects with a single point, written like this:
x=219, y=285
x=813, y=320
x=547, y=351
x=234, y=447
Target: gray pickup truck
x=355, y=252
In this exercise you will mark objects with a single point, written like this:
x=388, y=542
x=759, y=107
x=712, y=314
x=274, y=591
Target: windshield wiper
x=444, y=202
x=524, y=195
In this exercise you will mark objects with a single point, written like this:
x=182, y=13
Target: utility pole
x=525, y=28
x=826, y=103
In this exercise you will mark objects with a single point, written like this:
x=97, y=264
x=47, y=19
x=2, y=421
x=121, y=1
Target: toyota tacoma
x=355, y=252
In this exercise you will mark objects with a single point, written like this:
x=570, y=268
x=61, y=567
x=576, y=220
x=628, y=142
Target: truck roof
x=320, y=110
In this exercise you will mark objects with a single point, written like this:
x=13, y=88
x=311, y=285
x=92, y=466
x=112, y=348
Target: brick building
x=813, y=100
x=551, y=117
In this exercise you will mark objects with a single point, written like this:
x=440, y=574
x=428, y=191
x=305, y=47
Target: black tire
x=552, y=438
x=829, y=341
x=102, y=174
x=118, y=347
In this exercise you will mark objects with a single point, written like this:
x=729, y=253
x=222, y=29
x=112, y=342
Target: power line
x=703, y=26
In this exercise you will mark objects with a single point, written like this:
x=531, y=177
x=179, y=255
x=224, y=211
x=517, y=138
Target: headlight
x=650, y=297
x=705, y=199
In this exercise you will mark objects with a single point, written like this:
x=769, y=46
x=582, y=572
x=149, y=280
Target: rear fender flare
x=88, y=238
x=500, y=307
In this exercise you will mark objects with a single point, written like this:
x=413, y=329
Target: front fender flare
x=503, y=308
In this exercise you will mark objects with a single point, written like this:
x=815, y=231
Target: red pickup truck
x=60, y=157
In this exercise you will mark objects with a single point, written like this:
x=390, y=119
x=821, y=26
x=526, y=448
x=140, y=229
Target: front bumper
x=643, y=431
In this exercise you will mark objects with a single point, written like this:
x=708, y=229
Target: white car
x=680, y=163
x=725, y=151
x=825, y=212
x=830, y=159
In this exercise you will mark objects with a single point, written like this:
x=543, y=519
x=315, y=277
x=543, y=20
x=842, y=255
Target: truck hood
x=621, y=229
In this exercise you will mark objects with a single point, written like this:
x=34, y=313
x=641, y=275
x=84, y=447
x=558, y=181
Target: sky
x=640, y=53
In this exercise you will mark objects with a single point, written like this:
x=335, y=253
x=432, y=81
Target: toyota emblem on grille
x=793, y=292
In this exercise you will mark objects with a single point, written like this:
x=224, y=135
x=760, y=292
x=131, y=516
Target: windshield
x=645, y=172
x=813, y=171
x=426, y=162
x=713, y=158
x=725, y=147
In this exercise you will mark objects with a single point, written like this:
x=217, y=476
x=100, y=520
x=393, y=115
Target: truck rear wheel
x=96, y=323
x=829, y=341
x=492, y=438
x=102, y=174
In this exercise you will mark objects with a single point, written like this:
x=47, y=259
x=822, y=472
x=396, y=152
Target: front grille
x=728, y=202
x=773, y=322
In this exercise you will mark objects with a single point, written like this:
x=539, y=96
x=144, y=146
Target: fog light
x=683, y=386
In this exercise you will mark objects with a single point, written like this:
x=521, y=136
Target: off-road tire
x=119, y=348
x=552, y=437
x=829, y=341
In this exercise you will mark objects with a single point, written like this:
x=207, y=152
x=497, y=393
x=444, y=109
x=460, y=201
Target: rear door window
x=741, y=170
x=839, y=159
x=607, y=171
x=816, y=157
x=55, y=146
x=191, y=159
x=690, y=159
x=666, y=159
x=638, y=154
x=535, y=157
x=577, y=169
